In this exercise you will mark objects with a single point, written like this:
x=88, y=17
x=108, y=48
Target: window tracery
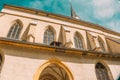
x=101, y=72
x=101, y=43
x=48, y=36
x=14, y=31
x=78, y=41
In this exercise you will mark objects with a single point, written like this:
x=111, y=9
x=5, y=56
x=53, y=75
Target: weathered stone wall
x=22, y=63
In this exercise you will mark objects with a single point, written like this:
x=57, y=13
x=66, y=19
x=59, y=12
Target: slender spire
x=73, y=13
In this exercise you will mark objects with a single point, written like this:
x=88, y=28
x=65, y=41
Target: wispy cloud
x=118, y=6
x=104, y=9
x=114, y=25
x=36, y=4
x=102, y=12
x=108, y=12
x=55, y=6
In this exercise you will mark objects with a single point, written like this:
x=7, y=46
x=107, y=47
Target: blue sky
x=102, y=12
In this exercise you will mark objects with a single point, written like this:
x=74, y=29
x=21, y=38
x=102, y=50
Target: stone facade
x=27, y=57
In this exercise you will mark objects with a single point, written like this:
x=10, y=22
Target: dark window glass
x=101, y=72
x=101, y=45
x=14, y=31
x=78, y=42
x=48, y=36
x=0, y=60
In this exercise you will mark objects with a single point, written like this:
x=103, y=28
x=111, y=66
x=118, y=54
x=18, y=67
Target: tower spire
x=73, y=13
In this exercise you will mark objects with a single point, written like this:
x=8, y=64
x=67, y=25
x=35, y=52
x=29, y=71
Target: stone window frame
x=108, y=71
x=15, y=30
x=101, y=43
x=53, y=36
x=80, y=41
x=2, y=59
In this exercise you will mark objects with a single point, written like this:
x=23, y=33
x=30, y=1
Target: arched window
x=78, y=41
x=101, y=72
x=0, y=60
x=0, y=63
x=14, y=31
x=54, y=72
x=48, y=36
x=101, y=44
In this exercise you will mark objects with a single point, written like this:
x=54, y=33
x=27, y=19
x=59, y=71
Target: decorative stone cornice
x=72, y=51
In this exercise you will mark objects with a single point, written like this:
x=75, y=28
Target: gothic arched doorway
x=53, y=70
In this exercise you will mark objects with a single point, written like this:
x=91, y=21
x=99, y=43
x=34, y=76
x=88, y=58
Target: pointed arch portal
x=53, y=70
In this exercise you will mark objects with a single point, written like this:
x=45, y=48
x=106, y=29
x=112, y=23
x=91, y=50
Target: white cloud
x=36, y=4
x=102, y=12
x=118, y=7
x=104, y=9
x=114, y=25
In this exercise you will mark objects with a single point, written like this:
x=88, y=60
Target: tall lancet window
x=101, y=44
x=101, y=72
x=14, y=31
x=78, y=41
x=0, y=60
x=48, y=36
x=0, y=63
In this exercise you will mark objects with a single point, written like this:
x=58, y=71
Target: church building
x=38, y=45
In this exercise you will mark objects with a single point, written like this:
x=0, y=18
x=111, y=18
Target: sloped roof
x=113, y=39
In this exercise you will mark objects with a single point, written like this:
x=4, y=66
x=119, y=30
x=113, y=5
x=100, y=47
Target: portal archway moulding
x=49, y=62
